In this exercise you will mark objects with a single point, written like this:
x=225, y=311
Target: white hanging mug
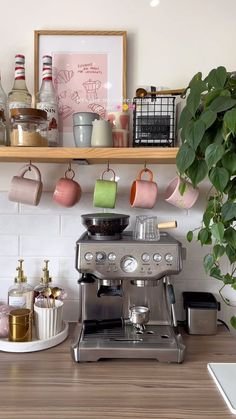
x=24, y=190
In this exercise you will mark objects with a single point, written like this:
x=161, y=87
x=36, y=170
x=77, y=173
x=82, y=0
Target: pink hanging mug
x=24, y=190
x=143, y=193
x=67, y=191
x=173, y=196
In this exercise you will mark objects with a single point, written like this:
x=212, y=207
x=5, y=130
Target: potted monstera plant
x=208, y=151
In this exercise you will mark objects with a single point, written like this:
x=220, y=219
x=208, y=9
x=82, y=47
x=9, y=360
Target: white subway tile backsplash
x=67, y=268
x=6, y=206
x=29, y=224
x=8, y=245
x=71, y=224
x=49, y=246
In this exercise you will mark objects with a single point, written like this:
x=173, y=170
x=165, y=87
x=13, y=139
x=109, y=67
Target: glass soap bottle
x=19, y=96
x=3, y=130
x=3, y=99
x=45, y=283
x=20, y=295
x=46, y=99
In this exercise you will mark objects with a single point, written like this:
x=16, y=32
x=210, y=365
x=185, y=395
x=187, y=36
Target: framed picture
x=89, y=70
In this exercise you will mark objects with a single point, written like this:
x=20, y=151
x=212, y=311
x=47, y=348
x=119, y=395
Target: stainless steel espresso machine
x=127, y=299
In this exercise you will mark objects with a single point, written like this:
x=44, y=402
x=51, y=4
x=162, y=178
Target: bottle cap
x=46, y=278
x=20, y=276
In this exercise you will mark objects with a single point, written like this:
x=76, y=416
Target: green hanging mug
x=105, y=191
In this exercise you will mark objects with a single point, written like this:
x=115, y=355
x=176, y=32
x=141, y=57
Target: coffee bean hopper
x=127, y=298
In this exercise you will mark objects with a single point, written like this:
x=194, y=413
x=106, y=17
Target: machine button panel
x=111, y=257
x=157, y=257
x=145, y=257
x=100, y=256
x=88, y=256
x=169, y=258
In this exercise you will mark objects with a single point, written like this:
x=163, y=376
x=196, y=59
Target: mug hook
x=145, y=166
x=30, y=164
x=69, y=170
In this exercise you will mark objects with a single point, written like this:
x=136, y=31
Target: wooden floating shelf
x=91, y=155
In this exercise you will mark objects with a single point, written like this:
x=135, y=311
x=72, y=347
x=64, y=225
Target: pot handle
x=167, y=224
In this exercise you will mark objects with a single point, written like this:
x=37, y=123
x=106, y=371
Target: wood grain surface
x=91, y=155
x=49, y=384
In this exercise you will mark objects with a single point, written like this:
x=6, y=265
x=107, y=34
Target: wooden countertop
x=49, y=384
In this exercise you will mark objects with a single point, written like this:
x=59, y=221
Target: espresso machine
x=127, y=299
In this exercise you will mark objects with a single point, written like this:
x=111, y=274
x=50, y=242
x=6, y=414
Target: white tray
x=35, y=344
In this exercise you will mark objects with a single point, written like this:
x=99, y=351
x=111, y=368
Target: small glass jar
x=28, y=127
x=3, y=130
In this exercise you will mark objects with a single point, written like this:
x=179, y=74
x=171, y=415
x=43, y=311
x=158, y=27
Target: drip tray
x=152, y=334
x=157, y=342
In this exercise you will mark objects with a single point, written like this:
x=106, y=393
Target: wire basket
x=154, y=121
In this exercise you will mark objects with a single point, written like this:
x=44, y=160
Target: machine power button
x=88, y=256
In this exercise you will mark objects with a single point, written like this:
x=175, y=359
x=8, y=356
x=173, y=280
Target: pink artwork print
x=80, y=80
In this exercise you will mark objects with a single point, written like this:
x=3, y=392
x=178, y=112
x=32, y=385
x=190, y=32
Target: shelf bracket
x=81, y=162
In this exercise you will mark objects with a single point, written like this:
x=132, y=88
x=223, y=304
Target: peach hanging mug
x=143, y=193
x=24, y=190
x=67, y=192
x=174, y=197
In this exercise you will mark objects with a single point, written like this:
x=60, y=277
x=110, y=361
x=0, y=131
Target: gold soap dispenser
x=20, y=294
x=45, y=283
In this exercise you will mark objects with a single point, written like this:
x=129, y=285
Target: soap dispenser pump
x=20, y=294
x=45, y=282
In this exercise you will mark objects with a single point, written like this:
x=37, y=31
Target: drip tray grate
x=152, y=334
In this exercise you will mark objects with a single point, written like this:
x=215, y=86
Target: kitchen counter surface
x=49, y=384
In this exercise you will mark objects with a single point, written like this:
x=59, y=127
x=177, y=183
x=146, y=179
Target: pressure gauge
x=128, y=264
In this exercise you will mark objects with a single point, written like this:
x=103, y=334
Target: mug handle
x=139, y=177
x=25, y=169
x=109, y=170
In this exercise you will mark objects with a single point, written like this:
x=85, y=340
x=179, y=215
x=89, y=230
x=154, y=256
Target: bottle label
x=13, y=105
x=17, y=301
x=52, y=120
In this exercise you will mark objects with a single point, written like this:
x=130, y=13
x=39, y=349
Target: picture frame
x=89, y=70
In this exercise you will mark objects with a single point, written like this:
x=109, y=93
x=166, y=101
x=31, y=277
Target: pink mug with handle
x=143, y=193
x=67, y=192
x=174, y=197
x=24, y=190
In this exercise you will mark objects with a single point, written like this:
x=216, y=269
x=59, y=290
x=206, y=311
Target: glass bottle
x=46, y=99
x=3, y=129
x=45, y=282
x=20, y=295
x=3, y=99
x=19, y=96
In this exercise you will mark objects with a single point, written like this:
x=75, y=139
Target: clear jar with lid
x=28, y=127
x=3, y=130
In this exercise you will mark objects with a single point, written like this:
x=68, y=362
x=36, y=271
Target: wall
x=166, y=46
